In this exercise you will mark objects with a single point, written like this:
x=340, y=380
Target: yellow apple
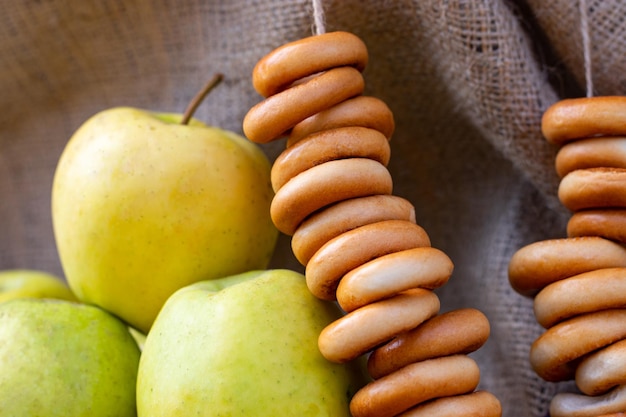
x=28, y=283
x=244, y=346
x=143, y=205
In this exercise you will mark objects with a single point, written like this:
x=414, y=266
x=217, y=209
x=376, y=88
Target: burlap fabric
x=467, y=80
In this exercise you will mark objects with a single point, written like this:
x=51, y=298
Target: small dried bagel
x=423, y=267
x=328, y=145
x=343, y=216
x=356, y=247
x=456, y=332
x=554, y=354
x=363, y=111
x=593, y=188
x=539, y=264
x=596, y=290
x=602, y=370
x=584, y=117
x=292, y=61
x=326, y=184
x=591, y=153
x=607, y=223
x=361, y=330
x=414, y=384
x=273, y=117
x=476, y=404
x=578, y=405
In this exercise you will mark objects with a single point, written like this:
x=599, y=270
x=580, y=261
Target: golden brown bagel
x=584, y=117
x=591, y=153
x=361, y=330
x=414, y=384
x=591, y=291
x=607, y=223
x=328, y=145
x=577, y=405
x=554, y=354
x=343, y=216
x=539, y=264
x=455, y=332
x=593, y=188
x=423, y=267
x=326, y=184
x=363, y=111
x=476, y=404
x=602, y=370
x=301, y=58
x=276, y=115
x=354, y=248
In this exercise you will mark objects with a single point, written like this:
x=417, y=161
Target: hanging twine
x=584, y=27
x=319, y=26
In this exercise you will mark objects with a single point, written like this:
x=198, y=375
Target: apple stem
x=195, y=102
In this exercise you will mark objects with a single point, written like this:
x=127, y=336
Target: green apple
x=143, y=205
x=244, y=345
x=65, y=359
x=27, y=283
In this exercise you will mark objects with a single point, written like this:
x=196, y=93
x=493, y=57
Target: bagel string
x=319, y=26
x=586, y=41
x=578, y=283
x=361, y=245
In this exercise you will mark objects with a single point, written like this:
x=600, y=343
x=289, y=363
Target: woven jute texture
x=467, y=80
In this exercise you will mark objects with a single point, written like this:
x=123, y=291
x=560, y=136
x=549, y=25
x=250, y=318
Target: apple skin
x=27, y=283
x=142, y=206
x=64, y=359
x=244, y=346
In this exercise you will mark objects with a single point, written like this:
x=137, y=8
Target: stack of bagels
x=360, y=244
x=578, y=283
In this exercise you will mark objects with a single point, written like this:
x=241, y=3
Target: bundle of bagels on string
x=359, y=243
x=451, y=173
x=577, y=282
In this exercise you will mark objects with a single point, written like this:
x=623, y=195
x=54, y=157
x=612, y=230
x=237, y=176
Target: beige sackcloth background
x=467, y=80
